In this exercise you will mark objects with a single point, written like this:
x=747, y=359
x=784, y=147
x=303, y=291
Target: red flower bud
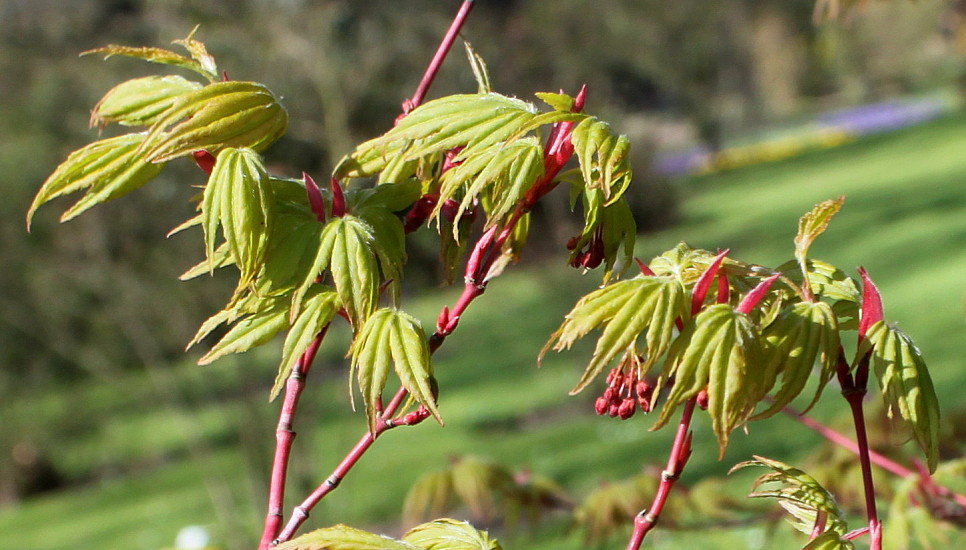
x=703, y=400
x=204, y=160
x=643, y=389
x=613, y=409
x=644, y=403
x=601, y=405
x=627, y=408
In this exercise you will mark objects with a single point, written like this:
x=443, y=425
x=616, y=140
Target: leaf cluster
x=441, y=534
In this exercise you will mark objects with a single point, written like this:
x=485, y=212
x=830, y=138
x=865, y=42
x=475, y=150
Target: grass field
x=157, y=464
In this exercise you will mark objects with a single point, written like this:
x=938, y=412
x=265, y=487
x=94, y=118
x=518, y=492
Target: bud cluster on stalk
x=625, y=392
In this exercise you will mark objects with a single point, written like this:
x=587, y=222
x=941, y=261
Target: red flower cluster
x=625, y=392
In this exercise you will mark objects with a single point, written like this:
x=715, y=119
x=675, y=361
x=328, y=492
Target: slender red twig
x=441, y=52
x=680, y=452
x=284, y=436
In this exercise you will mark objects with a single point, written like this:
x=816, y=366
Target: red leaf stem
x=680, y=452
x=441, y=52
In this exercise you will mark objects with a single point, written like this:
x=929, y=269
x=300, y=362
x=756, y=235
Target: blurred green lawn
x=180, y=464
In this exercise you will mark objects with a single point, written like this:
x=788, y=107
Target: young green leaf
x=813, y=224
x=474, y=121
x=250, y=331
x=141, y=101
x=223, y=114
x=320, y=306
x=721, y=350
x=907, y=388
x=155, y=55
x=825, y=280
x=479, y=69
x=345, y=248
x=809, y=504
x=603, y=158
x=343, y=537
x=107, y=169
x=449, y=534
x=428, y=497
x=829, y=540
x=238, y=198
x=476, y=482
x=626, y=309
x=801, y=335
x=392, y=338
x=558, y=102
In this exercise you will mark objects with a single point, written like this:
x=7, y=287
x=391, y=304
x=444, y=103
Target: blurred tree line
x=101, y=293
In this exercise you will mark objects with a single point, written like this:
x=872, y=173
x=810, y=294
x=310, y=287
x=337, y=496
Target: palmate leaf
x=813, y=224
x=223, y=114
x=473, y=121
x=343, y=537
x=825, y=280
x=907, y=388
x=450, y=534
x=345, y=248
x=626, y=309
x=106, y=169
x=476, y=482
x=613, y=224
x=320, y=306
x=719, y=349
x=603, y=158
x=238, y=199
x=802, y=334
x=141, y=101
x=392, y=339
x=502, y=173
x=801, y=496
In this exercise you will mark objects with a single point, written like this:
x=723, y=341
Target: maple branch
x=441, y=52
x=680, y=452
x=284, y=436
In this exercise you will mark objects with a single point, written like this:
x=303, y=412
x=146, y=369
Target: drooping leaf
x=223, y=114
x=238, y=199
x=198, y=52
x=392, y=339
x=141, y=101
x=428, y=497
x=477, y=483
x=800, y=495
x=500, y=174
x=626, y=309
x=250, y=331
x=907, y=388
x=320, y=306
x=603, y=158
x=345, y=249
x=801, y=335
x=450, y=534
x=295, y=230
x=107, y=169
x=343, y=537
x=719, y=349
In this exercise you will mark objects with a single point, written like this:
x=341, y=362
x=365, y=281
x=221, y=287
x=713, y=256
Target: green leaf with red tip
x=603, y=157
x=907, y=388
x=318, y=309
x=871, y=309
x=803, y=334
x=223, y=114
x=450, y=534
x=643, y=306
x=392, y=339
x=238, y=199
x=105, y=169
x=801, y=496
x=343, y=537
x=719, y=349
x=141, y=101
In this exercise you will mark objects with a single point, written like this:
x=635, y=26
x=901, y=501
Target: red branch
x=680, y=452
x=284, y=436
x=441, y=52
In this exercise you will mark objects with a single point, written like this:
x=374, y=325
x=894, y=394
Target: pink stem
x=680, y=452
x=284, y=436
x=441, y=53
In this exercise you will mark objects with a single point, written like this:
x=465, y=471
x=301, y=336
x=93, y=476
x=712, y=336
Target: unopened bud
x=613, y=409
x=644, y=403
x=610, y=394
x=703, y=400
x=601, y=405
x=627, y=408
x=643, y=389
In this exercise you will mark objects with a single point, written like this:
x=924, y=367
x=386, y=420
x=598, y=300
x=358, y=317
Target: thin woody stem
x=441, y=52
x=680, y=452
x=284, y=436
